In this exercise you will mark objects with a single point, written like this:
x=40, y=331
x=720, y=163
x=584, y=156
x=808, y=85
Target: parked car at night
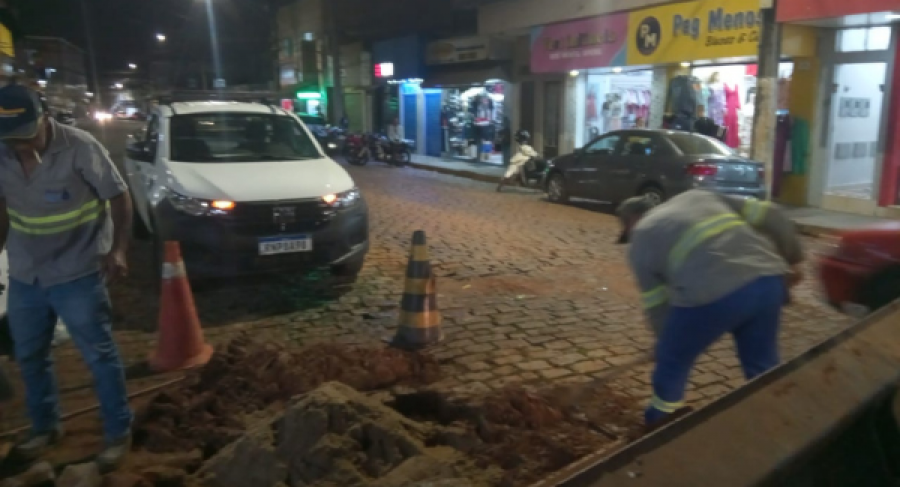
x=862, y=273
x=245, y=189
x=655, y=163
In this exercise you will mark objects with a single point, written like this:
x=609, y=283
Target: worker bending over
x=709, y=264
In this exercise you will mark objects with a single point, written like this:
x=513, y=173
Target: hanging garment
x=682, y=99
x=591, y=110
x=782, y=136
x=799, y=146
x=616, y=110
x=715, y=104
x=732, y=124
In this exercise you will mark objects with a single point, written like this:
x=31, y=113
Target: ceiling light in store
x=685, y=65
x=892, y=16
x=617, y=70
x=574, y=73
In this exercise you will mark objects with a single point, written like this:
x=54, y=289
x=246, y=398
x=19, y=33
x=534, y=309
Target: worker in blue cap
x=65, y=220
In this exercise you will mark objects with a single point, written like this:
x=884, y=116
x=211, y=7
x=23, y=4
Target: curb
x=485, y=178
x=803, y=228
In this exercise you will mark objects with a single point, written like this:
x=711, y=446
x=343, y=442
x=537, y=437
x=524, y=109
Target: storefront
x=855, y=139
x=464, y=99
x=592, y=51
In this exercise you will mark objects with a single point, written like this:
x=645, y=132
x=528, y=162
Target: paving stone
x=533, y=365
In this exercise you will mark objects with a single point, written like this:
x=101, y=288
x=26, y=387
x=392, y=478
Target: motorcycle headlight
x=197, y=206
x=343, y=200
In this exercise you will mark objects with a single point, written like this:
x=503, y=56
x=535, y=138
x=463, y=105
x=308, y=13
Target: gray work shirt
x=59, y=223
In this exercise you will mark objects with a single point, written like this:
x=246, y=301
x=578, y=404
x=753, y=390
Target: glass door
x=856, y=115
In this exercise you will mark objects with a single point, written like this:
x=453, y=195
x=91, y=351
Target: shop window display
x=472, y=118
x=614, y=102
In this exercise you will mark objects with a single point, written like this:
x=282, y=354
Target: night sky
x=125, y=31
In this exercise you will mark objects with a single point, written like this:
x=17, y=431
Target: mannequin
x=606, y=112
x=716, y=100
x=616, y=110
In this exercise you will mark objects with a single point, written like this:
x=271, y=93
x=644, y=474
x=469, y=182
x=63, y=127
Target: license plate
x=286, y=244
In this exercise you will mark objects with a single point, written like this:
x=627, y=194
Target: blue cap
x=20, y=110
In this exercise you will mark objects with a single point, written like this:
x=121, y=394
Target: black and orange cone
x=420, y=320
x=180, y=343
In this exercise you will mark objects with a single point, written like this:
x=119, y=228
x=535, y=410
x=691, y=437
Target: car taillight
x=702, y=169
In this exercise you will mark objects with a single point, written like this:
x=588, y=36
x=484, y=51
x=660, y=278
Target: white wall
x=512, y=16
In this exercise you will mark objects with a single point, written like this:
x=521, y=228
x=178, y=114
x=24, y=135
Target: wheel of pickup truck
x=881, y=290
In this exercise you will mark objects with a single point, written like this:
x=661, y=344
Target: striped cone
x=420, y=320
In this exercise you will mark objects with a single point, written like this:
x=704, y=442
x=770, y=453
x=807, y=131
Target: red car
x=864, y=268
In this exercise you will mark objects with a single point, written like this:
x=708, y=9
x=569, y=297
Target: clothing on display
x=613, y=102
x=706, y=126
x=716, y=102
x=470, y=120
x=683, y=98
x=732, y=105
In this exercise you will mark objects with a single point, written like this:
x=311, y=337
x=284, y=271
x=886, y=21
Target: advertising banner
x=705, y=30
x=582, y=44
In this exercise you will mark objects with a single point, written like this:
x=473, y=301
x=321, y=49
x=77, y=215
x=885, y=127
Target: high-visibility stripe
x=699, y=233
x=665, y=406
x=755, y=211
x=654, y=298
x=44, y=220
x=14, y=224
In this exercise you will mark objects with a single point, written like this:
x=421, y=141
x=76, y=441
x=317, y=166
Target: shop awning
x=464, y=75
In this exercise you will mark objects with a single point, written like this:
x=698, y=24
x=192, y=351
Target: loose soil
x=245, y=379
x=330, y=415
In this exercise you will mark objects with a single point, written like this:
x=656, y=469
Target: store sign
x=459, y=50
x=384, y=70
x=701, y=30
x=588, y=43
x=799, y=10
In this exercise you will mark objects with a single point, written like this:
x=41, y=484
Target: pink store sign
x=596, y=42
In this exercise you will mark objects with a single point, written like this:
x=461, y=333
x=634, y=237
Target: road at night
x=530, y=291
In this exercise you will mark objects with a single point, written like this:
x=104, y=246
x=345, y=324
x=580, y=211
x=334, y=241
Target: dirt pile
x=528, y=434
x=335, y=436
x=210, y=409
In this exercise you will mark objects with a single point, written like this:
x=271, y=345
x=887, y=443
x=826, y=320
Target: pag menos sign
x=594, y=42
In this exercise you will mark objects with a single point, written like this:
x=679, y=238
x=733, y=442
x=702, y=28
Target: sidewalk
x=478, y=171
x=811, y=221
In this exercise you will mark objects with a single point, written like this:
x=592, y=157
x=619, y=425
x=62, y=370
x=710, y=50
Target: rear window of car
x=700, y=145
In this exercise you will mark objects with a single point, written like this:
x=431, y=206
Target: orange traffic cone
x=181, y=344
x=420, y=320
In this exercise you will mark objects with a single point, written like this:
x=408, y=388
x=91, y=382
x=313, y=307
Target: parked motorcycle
x=526, y=167
x=364, y=147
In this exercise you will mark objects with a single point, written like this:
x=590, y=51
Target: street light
x=161, y=37
x=132, y=66
x=118, y=86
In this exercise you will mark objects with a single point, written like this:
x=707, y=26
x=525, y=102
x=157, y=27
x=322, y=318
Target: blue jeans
x=84, y=306
x=751, y=314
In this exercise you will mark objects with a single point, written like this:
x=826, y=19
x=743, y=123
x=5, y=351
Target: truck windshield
x=239, y=137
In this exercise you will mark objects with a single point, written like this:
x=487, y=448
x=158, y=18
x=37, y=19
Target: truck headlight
x=343, y=200
x=197, y=206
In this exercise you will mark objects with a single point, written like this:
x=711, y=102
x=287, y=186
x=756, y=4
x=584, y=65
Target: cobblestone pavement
x=530, y=292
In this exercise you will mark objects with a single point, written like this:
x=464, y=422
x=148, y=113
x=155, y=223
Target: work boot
x=32, y=447
x=114, y=453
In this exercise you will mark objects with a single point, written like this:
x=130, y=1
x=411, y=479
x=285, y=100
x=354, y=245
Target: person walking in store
x=65, y=214
x=708, y=265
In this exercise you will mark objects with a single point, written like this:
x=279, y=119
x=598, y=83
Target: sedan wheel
x=654, y=194
x=556, y=189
